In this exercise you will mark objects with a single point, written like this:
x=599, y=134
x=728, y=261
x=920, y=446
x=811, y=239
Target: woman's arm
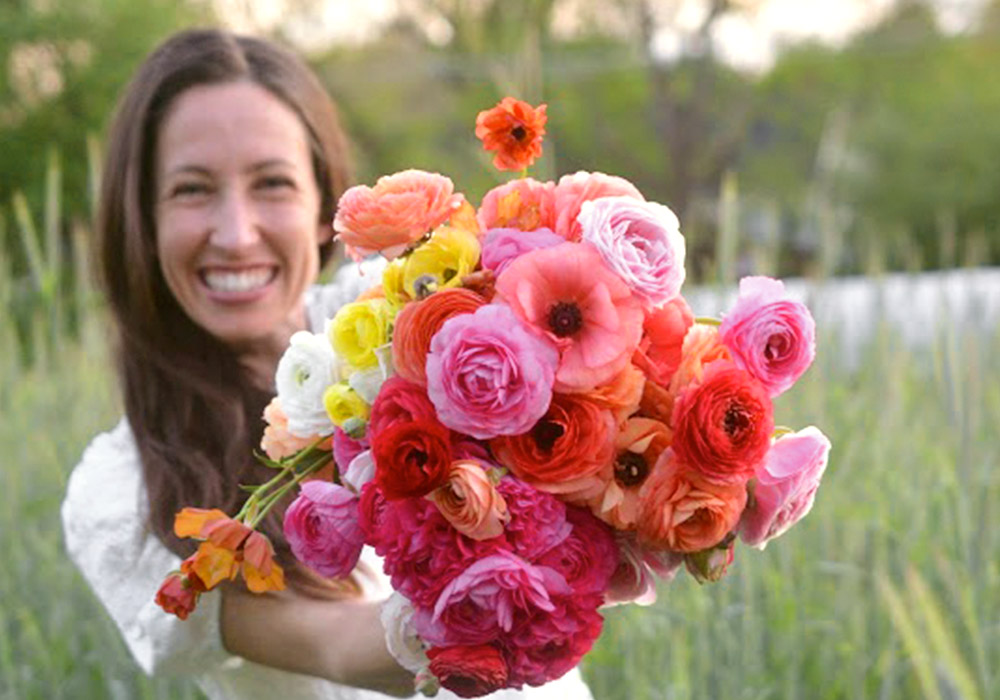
x=342, y=641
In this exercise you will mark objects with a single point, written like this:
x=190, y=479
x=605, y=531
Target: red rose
x=469, y=671
x=411, y=458
x=398, y=401
x=177, y=595
x=723, y=424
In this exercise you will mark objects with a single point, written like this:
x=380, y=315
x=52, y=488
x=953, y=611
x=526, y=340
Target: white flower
x=368, y=382
x=400, y=637
x=307, y=368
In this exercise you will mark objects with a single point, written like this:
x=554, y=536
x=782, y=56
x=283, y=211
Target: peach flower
x=397, y=212
x=702, y=346
x=277, y=442
x=471, y=503
x=681, y=511
x=573, y=190
x=417, y=323
x=524, y=204
x=622, y=394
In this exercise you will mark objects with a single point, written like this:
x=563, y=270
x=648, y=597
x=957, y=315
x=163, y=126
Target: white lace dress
x=104, y=519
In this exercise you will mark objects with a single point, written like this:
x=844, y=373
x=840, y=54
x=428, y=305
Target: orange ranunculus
x=622, y=394
x=638, y=447
x=523, y=204
x=398, y=211
x=277, y=442
x=663, y=332
x=258, y=567
x=681, y=511
x=514, y=129
x=190, y=521
x=701, y=346
x=571, y=443
x=376, y=292
x=212, y=564
x=471, y=503
x=657, y=402
x=417, y=323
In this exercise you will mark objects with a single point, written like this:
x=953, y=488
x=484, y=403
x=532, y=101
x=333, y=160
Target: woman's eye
x=275, y=182
x=189, y=189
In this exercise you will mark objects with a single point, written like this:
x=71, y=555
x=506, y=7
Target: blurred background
x=850, y=146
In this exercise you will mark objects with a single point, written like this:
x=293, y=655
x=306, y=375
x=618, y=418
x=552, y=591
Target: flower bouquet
x=527, y=421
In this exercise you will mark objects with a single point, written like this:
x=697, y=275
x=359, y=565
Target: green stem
x=268, y=502
x=261, y=495
x=707, y=321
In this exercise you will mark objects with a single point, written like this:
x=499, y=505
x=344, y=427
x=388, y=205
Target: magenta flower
x=488, y=375
x=786, y=484
x=769, y=335
x=537, y=519
x=322, y=528
x=569, y=295
x=547, y=646
x=503, y=245
x=641, y=241
x=588, y=557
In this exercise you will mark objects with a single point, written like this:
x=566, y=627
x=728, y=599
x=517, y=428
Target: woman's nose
x=235, y=224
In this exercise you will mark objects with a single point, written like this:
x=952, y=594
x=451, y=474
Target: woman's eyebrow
x=270, y=163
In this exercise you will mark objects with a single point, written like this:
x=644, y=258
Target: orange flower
x=514, y=129
x=683, y=512
x=176, y=596
x=258, y=567
x=465, y=218
x=417, y=323
x=213, y=565
x=189, y=521
x=701, y=347
x=622, y=394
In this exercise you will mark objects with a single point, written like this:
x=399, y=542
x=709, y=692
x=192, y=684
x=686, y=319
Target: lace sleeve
x=104, y=524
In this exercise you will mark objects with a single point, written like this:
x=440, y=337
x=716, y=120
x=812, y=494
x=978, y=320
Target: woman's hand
x=341, y=641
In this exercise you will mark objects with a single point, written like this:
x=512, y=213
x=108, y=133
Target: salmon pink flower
x=573, y=190
x=770, y=336
x=523, y=204
x=471, y=503
x=514, y=129
x=397, y=212
x=660, y=351
x=571, y=297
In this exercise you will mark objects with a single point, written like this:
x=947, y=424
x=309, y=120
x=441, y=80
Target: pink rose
x=487, y=599
x=640, y=241
x=786, y=484
x=504, y=245
x=488, y=375
x=471, y=503
x=322, y=528
x=399, y=210
x=523, y=204
x=588, y=557
x=573, y=190
x=769, y=335
x=346, y=448
x=548, y=645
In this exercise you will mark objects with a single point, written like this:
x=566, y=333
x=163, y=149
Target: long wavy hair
x=194, y=411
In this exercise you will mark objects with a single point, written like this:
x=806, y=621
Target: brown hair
x=195, y=414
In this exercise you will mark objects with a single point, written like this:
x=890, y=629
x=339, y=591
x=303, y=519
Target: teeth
x=242, y=281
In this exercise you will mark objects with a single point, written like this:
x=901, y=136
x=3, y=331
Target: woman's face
x=237, y=213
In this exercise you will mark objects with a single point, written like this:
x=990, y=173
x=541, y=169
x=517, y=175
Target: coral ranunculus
x=514, y=130
x=417, y=323
x=523, y=204
x=723, y=425
x=573, y=190
x=469, y=671
x=398, y=211
x=660, y=351
x=471, y=503
x=684, y=512
x=570, y=296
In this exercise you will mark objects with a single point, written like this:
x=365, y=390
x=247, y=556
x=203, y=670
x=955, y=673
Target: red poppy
x=514, y=129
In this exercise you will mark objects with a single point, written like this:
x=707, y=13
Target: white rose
x=307, y=368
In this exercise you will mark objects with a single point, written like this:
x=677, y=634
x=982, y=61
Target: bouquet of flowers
x=526, y=420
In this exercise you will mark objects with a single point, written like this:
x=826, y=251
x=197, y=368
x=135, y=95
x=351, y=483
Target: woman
x=225, y=163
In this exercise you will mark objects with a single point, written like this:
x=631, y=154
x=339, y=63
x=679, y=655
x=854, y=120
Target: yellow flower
x=342, y=404
x=442, y=262
x=392, y=284
x=358, y=329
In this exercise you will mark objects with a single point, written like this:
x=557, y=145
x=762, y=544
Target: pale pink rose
x=488, y=374
x=488, y=598
x=573, y=190
x=503, y=245
x=769, y=335
x=322, y=528
x=786, y=484
x=277, y=442
x=398, y=211
x=640, y=241
x=523, y=204
x=471, y=503
x=569, y=295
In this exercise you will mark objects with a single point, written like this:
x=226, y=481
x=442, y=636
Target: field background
x=864, y=172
